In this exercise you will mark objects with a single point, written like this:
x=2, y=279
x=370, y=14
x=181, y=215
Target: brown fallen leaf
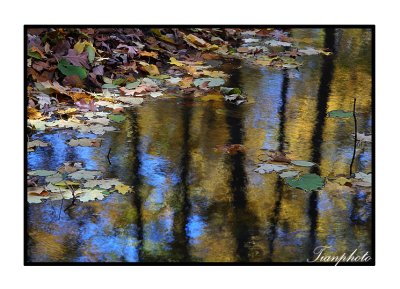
x=33, y=113
x=230, y=148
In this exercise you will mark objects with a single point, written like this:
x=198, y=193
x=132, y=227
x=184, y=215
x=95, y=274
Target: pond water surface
x=194, y=203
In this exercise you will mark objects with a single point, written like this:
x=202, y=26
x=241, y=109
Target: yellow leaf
x=214, y=73
x=123, y=189
x=173, y=61
x=152, y=69
x=33, y=113
x=80, y=46
x=186, y=82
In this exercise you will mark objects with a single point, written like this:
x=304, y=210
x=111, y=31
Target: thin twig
x=355, y=137
x=108, y=156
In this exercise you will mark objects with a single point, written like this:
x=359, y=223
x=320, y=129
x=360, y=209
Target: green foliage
x=68, y=69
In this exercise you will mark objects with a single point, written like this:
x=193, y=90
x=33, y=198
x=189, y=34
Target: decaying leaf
x=85, y=142
x=269, y=168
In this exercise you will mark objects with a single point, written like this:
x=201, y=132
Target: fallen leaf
x=340, y=114
x=307, y=182
x=85, y=142
x=303, y=163
x=269, y=168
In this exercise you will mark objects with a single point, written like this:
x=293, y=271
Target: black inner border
x=25, y=227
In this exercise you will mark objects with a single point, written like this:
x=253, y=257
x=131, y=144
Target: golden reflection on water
x=195, y=203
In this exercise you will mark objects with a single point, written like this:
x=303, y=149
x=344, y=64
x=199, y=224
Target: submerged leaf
x=303, y=163
x=340, y=114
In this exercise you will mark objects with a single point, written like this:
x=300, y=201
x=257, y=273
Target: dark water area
x=194, y=203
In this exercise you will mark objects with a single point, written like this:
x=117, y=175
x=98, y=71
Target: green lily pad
x=307, y=182
x=340, y=114
x=116, y=117
x=303, y=163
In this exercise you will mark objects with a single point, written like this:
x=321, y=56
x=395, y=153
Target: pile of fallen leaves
x=95, y=68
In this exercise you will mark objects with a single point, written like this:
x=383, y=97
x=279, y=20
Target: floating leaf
x=117, y=117
x=212, y=82
x=41, y=173
x=155, y=94
x=303, y=163
x=131, y=100
x=364, y=177
x=289, y=174
x=104, y=184
x=340, y=114
x=123, y=189
x=307, y=182
x=85, y=142
x=269, y=168
x=86, y=195
x=83, y=174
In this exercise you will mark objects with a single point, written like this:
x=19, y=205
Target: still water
x=194, y=203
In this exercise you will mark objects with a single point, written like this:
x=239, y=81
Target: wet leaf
x=104, y=184
x=132, y=85
x=68, y=69
x=41, y=173
x=85, y=142
x=307, y=182
x=289, y=174
x=269, y=168
x=86, y=195
x=303, y=163
x=117, y=117
x=131, y=100
x=364, y=177
x=122, y=189
x=155, y=94
x=340, y=114
x=83, y=174
x=212, y=82
x=364, y=138
x=36, y=143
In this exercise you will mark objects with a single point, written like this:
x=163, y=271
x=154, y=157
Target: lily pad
x=340, y=114
x=303, y=163
x=307, y=182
